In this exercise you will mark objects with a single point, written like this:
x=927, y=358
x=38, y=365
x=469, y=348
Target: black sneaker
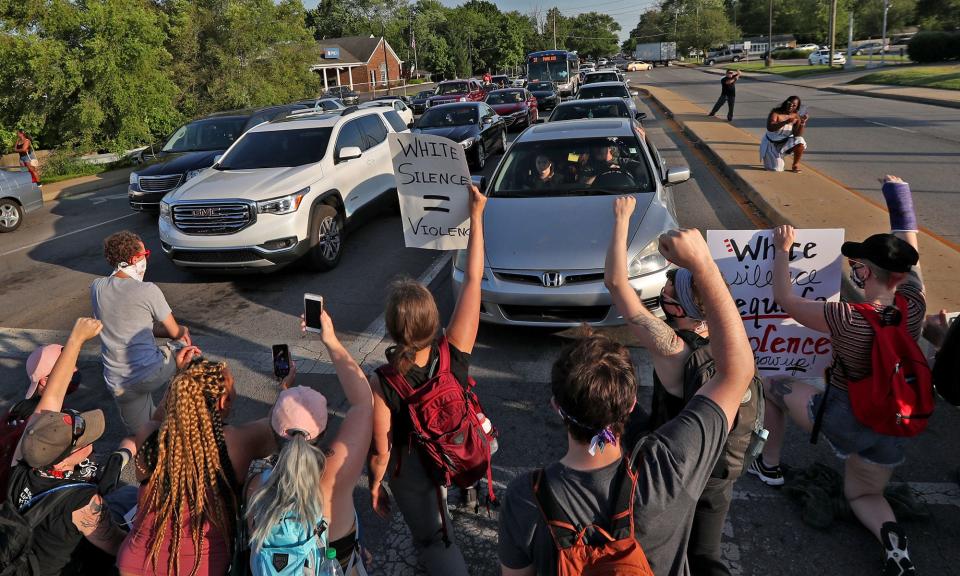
x=895, y=545
x=769, y=475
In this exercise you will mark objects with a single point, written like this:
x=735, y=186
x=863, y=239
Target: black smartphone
x=281, y=360
x=312, y=308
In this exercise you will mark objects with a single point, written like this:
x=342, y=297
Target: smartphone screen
x=802, y=111
x=312, y=307
x=281, y=360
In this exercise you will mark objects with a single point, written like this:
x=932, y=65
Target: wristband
x=903, y=217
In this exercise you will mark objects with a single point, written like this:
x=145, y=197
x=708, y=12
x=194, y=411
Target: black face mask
x=666, y=312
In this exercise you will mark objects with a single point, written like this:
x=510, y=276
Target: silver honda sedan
x=549, y=217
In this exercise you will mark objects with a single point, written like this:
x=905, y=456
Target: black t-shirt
x=673, y=466
x=729, y=85
x=417, y=376
x=57, y=537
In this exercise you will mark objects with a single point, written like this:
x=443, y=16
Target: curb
x=86, y=184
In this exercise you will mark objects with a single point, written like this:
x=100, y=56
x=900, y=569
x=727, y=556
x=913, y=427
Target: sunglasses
x=145, y=253
x=78, y=426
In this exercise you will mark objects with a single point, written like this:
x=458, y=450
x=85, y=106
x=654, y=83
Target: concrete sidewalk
x=86, y=183
x=809, y=199
x=840, y=83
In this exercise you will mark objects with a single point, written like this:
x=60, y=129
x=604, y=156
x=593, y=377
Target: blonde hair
x=189, y=475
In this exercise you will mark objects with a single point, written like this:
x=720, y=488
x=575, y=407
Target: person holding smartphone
x=785, y=126
x=728, y=93
x=413, y=322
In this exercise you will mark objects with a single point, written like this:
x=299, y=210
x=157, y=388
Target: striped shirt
x=852, y=335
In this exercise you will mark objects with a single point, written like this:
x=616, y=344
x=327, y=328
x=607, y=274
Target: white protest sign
x=780, y=344
x=432, y=179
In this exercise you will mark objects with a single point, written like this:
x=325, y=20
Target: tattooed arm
x=94, y=522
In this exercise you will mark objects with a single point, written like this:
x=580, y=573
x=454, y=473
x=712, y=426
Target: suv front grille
x=521, y=313
x=211, y=219
x=220, y=257
x=536, y=278
x=160, y=183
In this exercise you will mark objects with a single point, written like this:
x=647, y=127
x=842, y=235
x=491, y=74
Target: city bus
x=557, y=66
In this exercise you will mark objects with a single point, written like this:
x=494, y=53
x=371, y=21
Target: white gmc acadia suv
x=282, y=191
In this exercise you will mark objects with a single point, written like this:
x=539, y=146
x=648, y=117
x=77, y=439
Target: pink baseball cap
x=299, y=409
x=40, y=365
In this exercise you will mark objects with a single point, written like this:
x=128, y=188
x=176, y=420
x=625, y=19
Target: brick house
x=360, y=62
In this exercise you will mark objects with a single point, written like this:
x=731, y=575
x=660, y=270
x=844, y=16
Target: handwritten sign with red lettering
x=432, y=180
x=780, y=344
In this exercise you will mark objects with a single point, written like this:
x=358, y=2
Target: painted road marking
x=894, y=127
x=28, y=246
x=101, y=199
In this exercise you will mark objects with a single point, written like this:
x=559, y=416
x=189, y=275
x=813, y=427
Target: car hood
x=179, y=162
x=455, y=133
x=556, y=233
x=258, y=184
x=503, y=109
x=538, y=94
x=451, y=96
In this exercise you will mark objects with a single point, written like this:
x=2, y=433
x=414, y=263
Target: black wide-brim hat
x=885, y=250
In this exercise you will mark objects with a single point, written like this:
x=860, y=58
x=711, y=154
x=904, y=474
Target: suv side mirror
x=488, y=119
x=641, y=116
x=217, y=159
x=349, y=153
x=677, y=174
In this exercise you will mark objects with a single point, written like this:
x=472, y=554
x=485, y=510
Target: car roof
x=591, y=101
x=453, y=104
x=603, y=84
x=499, y=90
x=311, y=119
x=574, y=129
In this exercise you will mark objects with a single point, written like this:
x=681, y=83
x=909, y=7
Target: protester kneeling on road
x=306, y=489
x=53, y=476
x=885, y=267
x=594, y=390
x=683, y=362
x=133, y=313
x=188, y=467
x=785, y=125
x=422, y=355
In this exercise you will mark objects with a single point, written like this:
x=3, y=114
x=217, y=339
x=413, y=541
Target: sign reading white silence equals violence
x=780, y=344
x=432, y=184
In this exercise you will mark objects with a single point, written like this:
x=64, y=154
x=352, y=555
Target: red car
x=470, y=90
x=516, y=105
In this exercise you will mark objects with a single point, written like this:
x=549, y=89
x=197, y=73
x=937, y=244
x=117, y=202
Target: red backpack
x=619, y=555
x=896, y=399
x=452, y=444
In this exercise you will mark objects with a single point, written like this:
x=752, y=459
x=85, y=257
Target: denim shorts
x=848, y=436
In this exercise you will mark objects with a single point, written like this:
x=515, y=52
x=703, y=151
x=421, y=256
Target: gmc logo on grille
x=205, y=212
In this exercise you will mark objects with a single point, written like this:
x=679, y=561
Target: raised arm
x=462, y=331
x=52, y=399
x=93, y=521
x=903, y=217
x=807, y=312
x=653, y=333
x=728, y=339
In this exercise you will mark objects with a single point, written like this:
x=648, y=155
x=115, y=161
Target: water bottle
x=487, y=427
x=330, y=566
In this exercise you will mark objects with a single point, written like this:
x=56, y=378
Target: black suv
x=190, y=149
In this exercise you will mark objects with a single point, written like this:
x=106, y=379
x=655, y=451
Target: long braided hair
x=191, y=472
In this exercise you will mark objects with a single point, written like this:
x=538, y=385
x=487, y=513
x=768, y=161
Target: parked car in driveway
x=806, y=47
x=870, y=48
x=546, y=95
x=419, y=102
x=345, y=94
x=725, y=55
x=517, y=106
x=191, y=149
x=19, y=195
x=475, y=125
x=609, y=90
x=823, y=57
x=548, y=217
x=594, y=108
x=469, y=90
x=284, y=190
x=396, y=104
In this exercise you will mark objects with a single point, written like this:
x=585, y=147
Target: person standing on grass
x=728, y=93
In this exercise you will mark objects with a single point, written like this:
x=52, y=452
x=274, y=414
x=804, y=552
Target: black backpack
x=747, y=432
x=946, y=367
x=17, y=527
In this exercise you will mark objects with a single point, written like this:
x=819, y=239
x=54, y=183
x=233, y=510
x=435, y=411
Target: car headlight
x=462, y=99
x=134, y=179
x=192, y=174
x=647, y=261
x=165, y=211
x=468, y=142
x=283, y=204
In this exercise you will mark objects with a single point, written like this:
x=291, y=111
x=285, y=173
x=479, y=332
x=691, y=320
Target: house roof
x=353, y=49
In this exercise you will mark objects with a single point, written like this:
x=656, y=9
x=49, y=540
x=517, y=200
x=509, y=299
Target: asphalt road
x=854, y=139
x=48, y=265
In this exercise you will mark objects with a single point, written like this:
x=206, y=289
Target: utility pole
x=849, y=65
x=768, y=61
x=554, y=29
x=833, y=32
x=386, y=64
x=883, y=41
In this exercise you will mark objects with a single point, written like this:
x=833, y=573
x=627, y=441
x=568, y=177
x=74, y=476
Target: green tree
x=593, y=34
x=654, y=26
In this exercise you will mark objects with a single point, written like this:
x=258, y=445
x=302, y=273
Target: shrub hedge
x=934, y=46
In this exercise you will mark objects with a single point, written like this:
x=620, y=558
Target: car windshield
x=452, y=88
x=425, y=94
x=448, y=116
x=277, y=149
x=505, y=97
x=577, y=110
x=573, y=167
x=541, y=87
x=214, y=134
x=590, y=92
x=605, y=77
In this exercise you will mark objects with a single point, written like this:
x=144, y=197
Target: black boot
x=895, y=545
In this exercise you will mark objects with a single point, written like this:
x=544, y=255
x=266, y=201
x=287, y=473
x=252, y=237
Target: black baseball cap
x=885, y=250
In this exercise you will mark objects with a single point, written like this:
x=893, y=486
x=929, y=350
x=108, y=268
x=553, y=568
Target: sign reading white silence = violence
x=780, y=344
x=432, y=182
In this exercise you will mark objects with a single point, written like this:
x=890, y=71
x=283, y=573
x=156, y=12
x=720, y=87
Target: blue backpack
x=292, y=548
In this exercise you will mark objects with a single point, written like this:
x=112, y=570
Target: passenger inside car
x=544, y=175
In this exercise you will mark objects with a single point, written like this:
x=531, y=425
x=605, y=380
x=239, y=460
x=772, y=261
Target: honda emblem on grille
x=552, y=279
x=205, y=212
